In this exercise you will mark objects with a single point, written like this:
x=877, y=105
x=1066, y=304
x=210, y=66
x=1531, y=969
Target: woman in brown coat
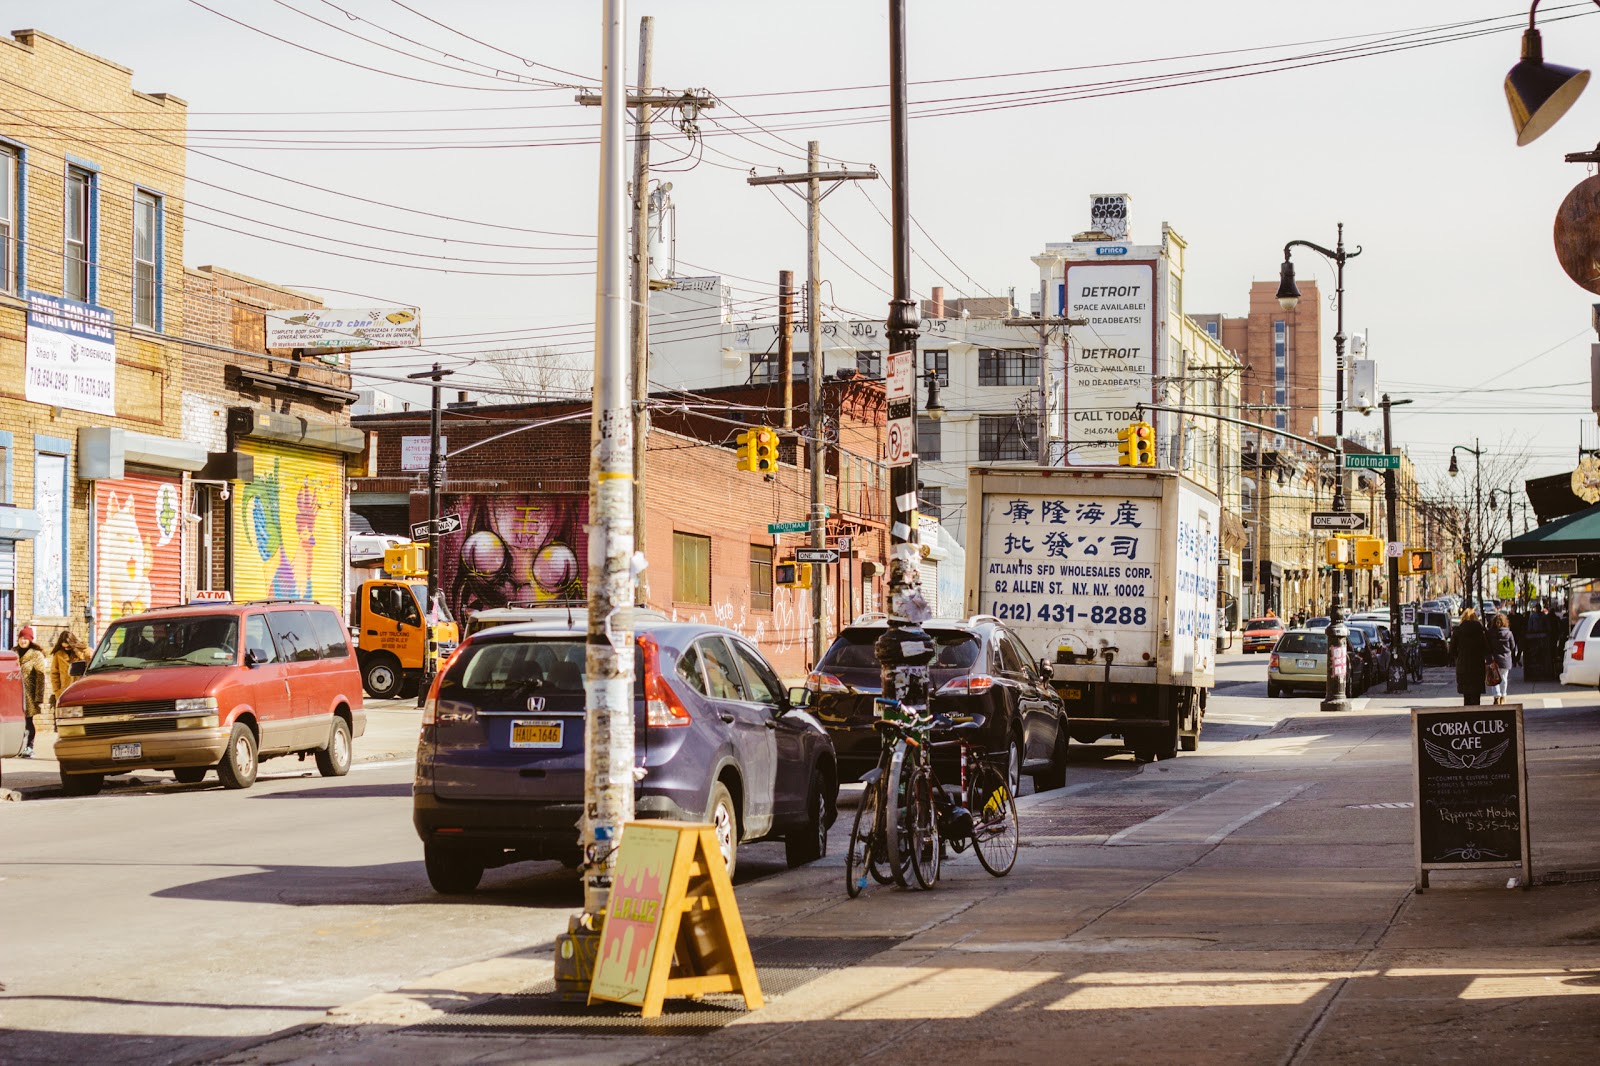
x=35, y=684
x=69, y=648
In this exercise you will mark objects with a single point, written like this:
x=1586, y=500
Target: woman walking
x=1501, y=649
x=35, y=685
x=69, y=648
x=1469, y=648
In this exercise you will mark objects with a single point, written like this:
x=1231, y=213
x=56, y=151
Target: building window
x=1006, y=437
x=1007, y=366
x=1214, y=330
x=938, y=361
x=930, y=501
x=78, y=280
x=929, y=442
x=11, y=203
x=764, y=367
x=761, y=577
x=869, y=364
x=147, y=260
x=691, y=568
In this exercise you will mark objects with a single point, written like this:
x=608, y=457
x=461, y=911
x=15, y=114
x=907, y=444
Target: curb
x=26, y=792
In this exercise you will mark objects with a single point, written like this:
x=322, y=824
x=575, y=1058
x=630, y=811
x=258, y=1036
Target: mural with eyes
x=514, y=549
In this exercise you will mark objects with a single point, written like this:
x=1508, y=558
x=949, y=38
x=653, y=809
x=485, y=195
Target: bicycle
x=988, y=821
x=876, y=847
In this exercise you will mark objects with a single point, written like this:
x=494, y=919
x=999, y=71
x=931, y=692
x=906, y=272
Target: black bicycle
x=878, y=848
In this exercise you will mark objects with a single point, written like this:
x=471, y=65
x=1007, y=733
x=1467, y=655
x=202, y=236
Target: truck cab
x=393, y=646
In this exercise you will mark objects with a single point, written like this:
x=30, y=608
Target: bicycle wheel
x=922, y=827
x=898, y=843
x=859, y=857
x=996, y=833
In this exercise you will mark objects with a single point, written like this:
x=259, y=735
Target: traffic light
x=1368, y=552
x=747, y=449
x=1416, y=561
x=766, y=450
x=408, y=560
x=1336, y=552
x=792, y=575
x=1144, y=443
x=1125, y=447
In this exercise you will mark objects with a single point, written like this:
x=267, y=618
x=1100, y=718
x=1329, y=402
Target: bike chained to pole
x=907, y=817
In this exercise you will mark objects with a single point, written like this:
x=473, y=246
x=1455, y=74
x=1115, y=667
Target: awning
x=1573, y=536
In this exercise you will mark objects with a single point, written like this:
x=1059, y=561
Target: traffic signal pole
x=1391, y=498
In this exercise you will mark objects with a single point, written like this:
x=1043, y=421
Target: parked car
x=214, y=685
x=1363, y=663
x=1299, y=663
x=1580, y=663
x=12, y=727
x=1260, y=634
x=981, y=668
x=1440, y=620
x=1320, y=621
x=500, y=760
x=1379, y=650
x=1435, y=647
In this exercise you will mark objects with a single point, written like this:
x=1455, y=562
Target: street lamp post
x=1336, y=698
x=1473, y=541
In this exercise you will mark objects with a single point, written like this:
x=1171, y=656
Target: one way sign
x=816, y=555
x=1337, y=520
x=448, y=523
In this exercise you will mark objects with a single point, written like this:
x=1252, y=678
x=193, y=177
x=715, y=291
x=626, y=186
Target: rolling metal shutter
x=138, y=545
x=288, y=525
x=8, y=566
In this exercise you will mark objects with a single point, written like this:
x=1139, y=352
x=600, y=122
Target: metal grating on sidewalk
x=1041, y=826
x=1566, y=877
x=782, y=963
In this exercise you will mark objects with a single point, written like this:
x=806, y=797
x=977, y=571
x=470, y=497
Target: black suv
x=981, y=668
x=500, y=759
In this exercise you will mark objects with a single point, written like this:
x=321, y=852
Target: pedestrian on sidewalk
x=1501, y=649
x=1469, y=647
x=69, y=648
x=35, y=685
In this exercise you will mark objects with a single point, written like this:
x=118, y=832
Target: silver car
x=1299, y=661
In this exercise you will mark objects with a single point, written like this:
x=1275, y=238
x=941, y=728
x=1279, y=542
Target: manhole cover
x=782, y=964
x=1396, y=806
x=1085, y=821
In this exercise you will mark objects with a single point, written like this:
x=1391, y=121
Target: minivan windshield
x=189, y=640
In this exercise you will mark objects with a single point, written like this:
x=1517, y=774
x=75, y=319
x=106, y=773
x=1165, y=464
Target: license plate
x=1306, y=664
x=127, y=751
x=1071, y=692
x=535, y=734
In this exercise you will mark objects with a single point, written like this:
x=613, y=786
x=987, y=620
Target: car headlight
x=204, y=721
x=70, y=710
x=199, y=703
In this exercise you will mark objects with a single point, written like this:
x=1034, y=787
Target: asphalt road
x=161, y=922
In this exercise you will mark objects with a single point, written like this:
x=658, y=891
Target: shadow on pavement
x=354, y=790
x=534, y=885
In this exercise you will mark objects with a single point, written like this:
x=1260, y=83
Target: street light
x=933, y=408
x=1476, y=451
x=1336, y=698
x=1537, y=92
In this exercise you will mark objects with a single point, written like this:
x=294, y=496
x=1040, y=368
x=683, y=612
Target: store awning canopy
x=1572, y=536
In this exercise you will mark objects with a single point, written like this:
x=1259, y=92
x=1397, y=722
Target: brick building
x=92, y=448
x=1282, y=354
x=518, y=475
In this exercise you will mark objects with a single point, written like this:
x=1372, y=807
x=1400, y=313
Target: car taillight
x=1577, y=651
x=967, y=685
x=817, y=681
x=1272, y=663
x=430, y=707
x=662, y=707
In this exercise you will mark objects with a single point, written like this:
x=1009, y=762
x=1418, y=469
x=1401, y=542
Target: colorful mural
x=288, y=527
x=514, y=549
x=138, y=550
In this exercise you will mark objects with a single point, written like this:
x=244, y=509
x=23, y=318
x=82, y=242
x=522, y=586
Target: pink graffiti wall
x=514, y=549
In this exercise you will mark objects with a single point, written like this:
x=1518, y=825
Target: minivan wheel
x=809, y=842
x=334, y=760
x=452, y=871
x=81, y=784
x=238, y=766
x=724, y=818
x=383, y=677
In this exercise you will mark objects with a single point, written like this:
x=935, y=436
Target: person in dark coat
x=1501, y=649
x=1537, y=648
x=1469, y=648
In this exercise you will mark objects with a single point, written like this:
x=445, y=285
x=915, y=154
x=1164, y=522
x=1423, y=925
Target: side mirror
x=799, y=696
x=78, y=669
x=252, y=657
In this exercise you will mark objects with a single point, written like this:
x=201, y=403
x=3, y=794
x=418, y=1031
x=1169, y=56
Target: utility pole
x=1391, y=497
x=1046, y=324
x=435, y=483
x=813, y=179
x=608, y=676
x=786, y=343
x=644, y=102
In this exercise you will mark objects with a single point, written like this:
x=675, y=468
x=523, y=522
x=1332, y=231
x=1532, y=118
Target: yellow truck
x=393, y=646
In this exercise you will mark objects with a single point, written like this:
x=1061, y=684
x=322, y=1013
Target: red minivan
x=211, y=686
x=12, y=727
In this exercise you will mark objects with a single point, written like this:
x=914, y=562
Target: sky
x=447, y=165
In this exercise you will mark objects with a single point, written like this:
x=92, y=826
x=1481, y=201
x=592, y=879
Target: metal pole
x=1391, y=496
x=641, y=288
x=608, y=681
x=819, y=584
x=435, y=482
x=1477, y=506
x=1042, y=430
x=1338, y=633
x=786, y=343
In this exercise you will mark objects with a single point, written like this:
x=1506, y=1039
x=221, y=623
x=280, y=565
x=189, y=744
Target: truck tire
x=382, y=676
x=1189, y=735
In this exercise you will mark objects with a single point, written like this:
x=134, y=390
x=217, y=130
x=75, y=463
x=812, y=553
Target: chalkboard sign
x=1470, y=785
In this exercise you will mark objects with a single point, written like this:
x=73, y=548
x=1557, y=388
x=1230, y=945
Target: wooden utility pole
x=813, y=178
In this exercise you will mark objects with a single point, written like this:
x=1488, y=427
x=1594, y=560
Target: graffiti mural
x=514, y=549
x=138, y=552
x=287, y=539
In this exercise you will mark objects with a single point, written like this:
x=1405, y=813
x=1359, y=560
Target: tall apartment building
x=1282, y=352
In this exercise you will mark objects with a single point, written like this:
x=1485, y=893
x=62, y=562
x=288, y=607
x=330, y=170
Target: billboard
x=72, y=355
x=1112, y=359
x=325, y=328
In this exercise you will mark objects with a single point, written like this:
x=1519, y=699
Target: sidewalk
x=391, y=734
x=1252, y=904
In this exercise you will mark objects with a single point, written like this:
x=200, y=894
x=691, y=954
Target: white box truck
x=1109, y=576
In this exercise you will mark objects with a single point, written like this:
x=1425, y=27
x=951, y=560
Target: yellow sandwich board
x=672, y=927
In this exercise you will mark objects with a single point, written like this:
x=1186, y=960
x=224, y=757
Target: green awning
x=1571, y=535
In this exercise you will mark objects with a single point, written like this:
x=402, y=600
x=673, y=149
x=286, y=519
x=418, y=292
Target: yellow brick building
x=91, y=368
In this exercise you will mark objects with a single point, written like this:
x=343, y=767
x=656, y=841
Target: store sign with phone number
x=1076, y=562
